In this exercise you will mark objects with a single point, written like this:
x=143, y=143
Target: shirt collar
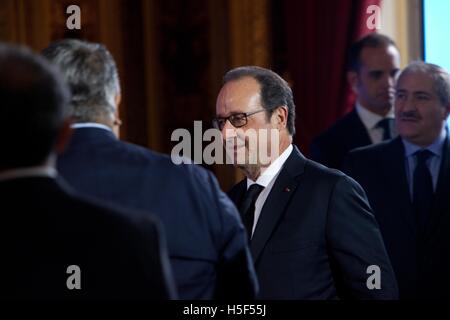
x=38, y=171
x=370, y=119
x=435, y=147
x=272, y=171
x=90, y=125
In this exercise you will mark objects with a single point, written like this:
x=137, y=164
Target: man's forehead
x=380, y=57
x=238, y=95
x=415, y=81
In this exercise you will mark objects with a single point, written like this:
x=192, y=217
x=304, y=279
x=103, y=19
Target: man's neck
x=381, y=112
x=253, y=172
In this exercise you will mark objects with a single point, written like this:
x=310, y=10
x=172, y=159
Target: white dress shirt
x=90, y=125
x=267, y=180
x=38, y=171
x=370, y=121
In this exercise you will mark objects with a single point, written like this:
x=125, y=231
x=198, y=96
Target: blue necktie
x=422, y=189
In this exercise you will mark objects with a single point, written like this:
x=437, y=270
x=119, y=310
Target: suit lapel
x=441, y=201
x=360, y=135
x=237, y=192
x=275, y=205
x=395, y=177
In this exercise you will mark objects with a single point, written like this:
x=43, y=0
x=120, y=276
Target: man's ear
x=117, y=122
x=281, y=116
x=64, y=136
x=352, y=78
x=447, y=111
x=117, y=100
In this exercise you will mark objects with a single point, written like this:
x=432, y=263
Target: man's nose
x=408, y=104
x=391, y=82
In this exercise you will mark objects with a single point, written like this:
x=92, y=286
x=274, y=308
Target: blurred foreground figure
x=206, y=240
x=54, y=244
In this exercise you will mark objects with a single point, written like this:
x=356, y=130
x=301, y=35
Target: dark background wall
x=172, y=54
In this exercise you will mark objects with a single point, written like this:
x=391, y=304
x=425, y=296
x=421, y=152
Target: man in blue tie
x=407, y=181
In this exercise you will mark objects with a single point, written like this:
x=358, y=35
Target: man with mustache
x=373, y=64
x=407, y=181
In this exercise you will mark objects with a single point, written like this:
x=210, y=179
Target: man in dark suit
x=374, y=62
x=313, y=235
x=206, y=240
x=54, y=244
x=407, y=181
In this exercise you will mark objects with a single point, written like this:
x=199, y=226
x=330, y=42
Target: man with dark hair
x=54, y=244
x=407, y=181
x=206, y=240
x=374, y=62
x=312, y=232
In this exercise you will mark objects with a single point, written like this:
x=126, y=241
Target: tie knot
x=422, y=156
x=386, y=125
x=254, y=191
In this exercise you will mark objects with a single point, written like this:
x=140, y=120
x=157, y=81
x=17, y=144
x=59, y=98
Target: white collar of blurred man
x=45, y=171
x=374, y=80
x=422, y=103
x=91, y=125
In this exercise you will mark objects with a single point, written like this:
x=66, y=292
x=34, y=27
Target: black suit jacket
x=331, y=147
x=380, y=169
x=46, y=229
x=206, y=239
x=316, y=236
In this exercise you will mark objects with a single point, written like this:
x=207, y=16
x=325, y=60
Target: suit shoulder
x=320, y=170
x=165, y=162
x=339, y=128
x=371, y=150
x=93, y=211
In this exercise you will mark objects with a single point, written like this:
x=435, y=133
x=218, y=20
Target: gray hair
x=439, y=76
x=275, y=91
x=91, y=73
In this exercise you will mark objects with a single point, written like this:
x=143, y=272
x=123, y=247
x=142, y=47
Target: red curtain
x=319, y=33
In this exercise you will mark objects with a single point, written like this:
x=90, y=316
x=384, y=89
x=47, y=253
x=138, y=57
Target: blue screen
x=436, y=19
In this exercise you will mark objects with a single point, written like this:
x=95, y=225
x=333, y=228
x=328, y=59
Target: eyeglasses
x=238, y=120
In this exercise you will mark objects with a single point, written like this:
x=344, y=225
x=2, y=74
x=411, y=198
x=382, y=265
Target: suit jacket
x=206, y=239
x=316, y=236
x=46, y=229
x=380, y=169
x=331, y=147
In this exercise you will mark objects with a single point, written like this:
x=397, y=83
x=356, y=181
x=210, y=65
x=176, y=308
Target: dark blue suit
x=316, y=236
x=380, y=169
x=331, y=147
x=206, y=240
x=47, y=227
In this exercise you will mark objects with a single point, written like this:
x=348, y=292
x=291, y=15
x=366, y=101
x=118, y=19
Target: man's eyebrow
x=422, y=92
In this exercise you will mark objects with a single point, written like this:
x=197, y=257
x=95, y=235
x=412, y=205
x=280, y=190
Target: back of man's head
x=91, y=73
x=33, y=107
